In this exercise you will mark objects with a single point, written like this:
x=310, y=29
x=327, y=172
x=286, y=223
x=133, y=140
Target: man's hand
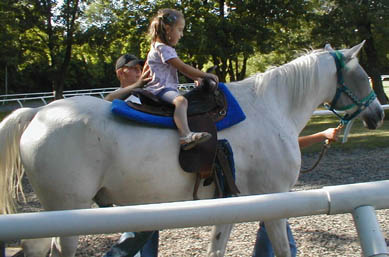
x=145, y=77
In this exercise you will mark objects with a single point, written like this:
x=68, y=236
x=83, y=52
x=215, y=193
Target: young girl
x=166, y=29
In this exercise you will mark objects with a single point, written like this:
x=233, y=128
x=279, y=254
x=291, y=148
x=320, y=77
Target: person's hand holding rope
x=330, y=135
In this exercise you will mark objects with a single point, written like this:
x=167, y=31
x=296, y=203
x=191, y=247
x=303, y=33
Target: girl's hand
x=198, y=81
x=331, y=134
x=213, y=76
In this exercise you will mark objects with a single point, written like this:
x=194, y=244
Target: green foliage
x=347, y=23
x=42, y=46
x=3, y=115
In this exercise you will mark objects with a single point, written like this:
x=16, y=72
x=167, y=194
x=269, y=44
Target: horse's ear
x=328, y=48
x=353, y=52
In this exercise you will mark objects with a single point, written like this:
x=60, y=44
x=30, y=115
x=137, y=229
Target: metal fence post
x=369, y=232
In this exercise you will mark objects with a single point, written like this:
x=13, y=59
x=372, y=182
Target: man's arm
x=124, y=92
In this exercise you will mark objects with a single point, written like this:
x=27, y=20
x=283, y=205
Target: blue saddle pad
x=233, y=116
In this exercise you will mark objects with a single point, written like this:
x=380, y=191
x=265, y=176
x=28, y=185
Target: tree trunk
x=242, y=73
x=62, y=70
x=230, y=70
x=221, y=68
x=58, y=89
x=373, y=67
x=379, y=89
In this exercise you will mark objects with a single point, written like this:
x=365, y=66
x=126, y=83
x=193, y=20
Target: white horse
x=75, y=151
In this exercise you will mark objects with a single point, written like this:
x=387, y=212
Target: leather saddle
x=204, y=99
x=206, y=105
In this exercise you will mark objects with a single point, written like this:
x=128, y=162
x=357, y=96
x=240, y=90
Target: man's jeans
x=132, y=244
x=263, y=247
x=151, y=247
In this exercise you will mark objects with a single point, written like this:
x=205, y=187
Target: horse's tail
x=11, y=170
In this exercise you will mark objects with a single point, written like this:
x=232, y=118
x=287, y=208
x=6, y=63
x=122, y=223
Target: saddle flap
x=200, y=159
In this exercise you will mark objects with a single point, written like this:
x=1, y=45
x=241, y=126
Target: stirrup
x=194, y=138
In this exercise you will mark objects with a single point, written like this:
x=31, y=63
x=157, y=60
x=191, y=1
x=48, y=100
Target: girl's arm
x=190, y=71
x=331, y=134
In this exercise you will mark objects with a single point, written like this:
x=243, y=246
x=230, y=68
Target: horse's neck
x=288, y=98
x=319, y=88
x=299, y=111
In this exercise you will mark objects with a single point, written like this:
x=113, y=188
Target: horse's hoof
x=215, y=254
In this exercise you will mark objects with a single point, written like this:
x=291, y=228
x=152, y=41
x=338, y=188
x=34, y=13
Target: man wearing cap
x=129, y=73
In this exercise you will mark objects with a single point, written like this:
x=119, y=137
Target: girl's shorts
x=168, y=95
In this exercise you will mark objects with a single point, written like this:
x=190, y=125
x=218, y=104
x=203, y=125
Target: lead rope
x=326, y=146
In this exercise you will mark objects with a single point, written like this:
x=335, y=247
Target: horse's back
x=76, y=150
x=56, y=150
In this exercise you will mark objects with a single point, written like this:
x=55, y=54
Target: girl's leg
x=181, y=105
x=180, y=115
x=188, y=139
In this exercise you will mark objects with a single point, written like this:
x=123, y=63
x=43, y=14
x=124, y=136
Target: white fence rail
x=43, y=98
x=326, y=112
x=359, y=199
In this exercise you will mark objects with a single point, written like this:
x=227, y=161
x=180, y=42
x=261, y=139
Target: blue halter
x=361, y=104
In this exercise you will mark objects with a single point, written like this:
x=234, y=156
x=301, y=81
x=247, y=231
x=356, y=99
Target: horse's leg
x=64, y=246
x=76, y=192
x=219, y=239
x=36, y=247
x=276, y=230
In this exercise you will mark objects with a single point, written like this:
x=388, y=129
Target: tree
x=347, y=23
x=52, y=44
x=245, y=27
x=60, y=30
x=46, y=31
x=13, y=42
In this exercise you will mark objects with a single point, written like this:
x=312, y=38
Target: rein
x=326, y=146
x=345, y=119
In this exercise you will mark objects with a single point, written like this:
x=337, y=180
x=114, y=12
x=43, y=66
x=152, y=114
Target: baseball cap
x=128, y=60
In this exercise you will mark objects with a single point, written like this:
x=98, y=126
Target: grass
x=3, y=114
x=359, y=136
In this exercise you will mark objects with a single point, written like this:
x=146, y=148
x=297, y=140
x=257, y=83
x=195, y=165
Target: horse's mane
x=295, y=76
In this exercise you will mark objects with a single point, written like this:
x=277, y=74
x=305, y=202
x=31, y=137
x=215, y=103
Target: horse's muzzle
x=373, y=116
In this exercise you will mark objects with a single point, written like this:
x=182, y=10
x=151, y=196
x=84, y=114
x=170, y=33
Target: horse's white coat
x=75, y=151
